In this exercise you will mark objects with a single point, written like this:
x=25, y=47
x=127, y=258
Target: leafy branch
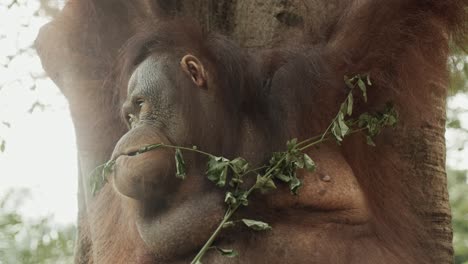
x=281, y=167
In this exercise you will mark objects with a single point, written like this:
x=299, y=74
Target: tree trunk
x=78, y=51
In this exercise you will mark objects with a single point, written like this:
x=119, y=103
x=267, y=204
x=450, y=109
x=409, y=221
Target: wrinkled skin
x=147, y=175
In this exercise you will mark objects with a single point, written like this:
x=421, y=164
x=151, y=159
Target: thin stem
x=213, y=236
x=331, y=123
x=228, y=215
x=328, y=128
x=267, y=174
x=322, y=136
x=305, y=141
x=256, y=169
x=187, y=149
x=322, y=139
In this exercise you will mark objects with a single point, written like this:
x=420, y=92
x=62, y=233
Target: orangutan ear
x=194, y=68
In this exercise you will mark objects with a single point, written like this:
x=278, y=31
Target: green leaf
x=2, y=145
x=349, y=110
x=339, y=128
x=349, y=82
x=256, y=225
x=362, y=86
x=289, y=157
x=230, y=199
x=98, y=177
x=299, y=162
x=236, y=180
x=239, y=165
x=393, y=120
x=374, y=123
x=294, y=185
x=242, y=198
x=229, y=224
x=180, y=164
x=390, y=115
x=276, y=157
x=217, y=170
x=363, y=120
x=269, y=185
x=309, y=163
x=222, y=177
x=100, y=181
x=343, y=127
x=454, y=124
x=282, y=177
x=230, y=253
x=368, y=80
x=265, y=184
x=344, y=107
x=369, y=141
x=108, y=168
x=291, y=144
x=336, y=131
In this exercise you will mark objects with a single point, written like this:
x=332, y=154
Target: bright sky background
x=457, y=156
x=40, y=146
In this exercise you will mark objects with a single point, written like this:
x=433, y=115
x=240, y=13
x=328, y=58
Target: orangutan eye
x=140, y=103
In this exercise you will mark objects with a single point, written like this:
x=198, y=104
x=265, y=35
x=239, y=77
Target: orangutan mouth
x=137, y=151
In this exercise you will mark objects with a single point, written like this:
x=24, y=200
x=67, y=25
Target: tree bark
x=78, y=50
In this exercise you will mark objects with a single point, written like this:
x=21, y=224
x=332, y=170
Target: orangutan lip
x=133, y=153
x=141, y=150
x=129, y=153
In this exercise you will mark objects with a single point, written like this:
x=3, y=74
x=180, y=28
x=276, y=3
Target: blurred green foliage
x=458, y=189
x=31, y=241
x=458, y=64
x=458, y=178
